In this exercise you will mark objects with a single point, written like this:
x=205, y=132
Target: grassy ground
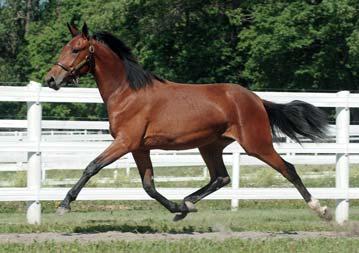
x=150, y=217
x=324, y=245
x=212, y=216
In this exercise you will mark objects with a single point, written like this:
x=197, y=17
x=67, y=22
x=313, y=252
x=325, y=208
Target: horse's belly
x=184, y=141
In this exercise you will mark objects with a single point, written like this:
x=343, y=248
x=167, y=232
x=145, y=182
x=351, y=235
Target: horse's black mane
x=136, y=75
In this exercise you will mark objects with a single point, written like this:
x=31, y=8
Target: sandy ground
x=114, y=235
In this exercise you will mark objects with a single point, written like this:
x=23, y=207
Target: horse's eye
x=75, y=50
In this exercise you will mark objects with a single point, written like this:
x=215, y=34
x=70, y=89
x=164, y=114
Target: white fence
x=35, y=144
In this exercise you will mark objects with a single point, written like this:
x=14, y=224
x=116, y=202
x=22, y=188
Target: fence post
x=34, y=114
x=235, y=179
x=342, y=159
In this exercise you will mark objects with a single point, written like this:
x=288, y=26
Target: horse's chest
x=116, y=121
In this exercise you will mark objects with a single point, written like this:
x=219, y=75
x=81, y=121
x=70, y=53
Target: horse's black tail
x=297, y=118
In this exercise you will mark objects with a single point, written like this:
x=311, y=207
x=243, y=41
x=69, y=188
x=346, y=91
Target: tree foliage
x=265, y=44
x=298, y=46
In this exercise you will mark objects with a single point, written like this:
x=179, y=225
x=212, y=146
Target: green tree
x=186, y=41
x=264, y=44
x=293, y=45
x=16, y=17
x=13, y=18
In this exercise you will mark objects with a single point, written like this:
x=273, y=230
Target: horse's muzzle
x=51, y=82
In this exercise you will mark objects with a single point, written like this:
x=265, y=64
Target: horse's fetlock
x=226, y=180
x=174, y=207
x=222, y=181
x=191, y=199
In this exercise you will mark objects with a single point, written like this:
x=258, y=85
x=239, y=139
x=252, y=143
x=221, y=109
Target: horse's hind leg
x=253, y=133
x=212, y=155
x=272, y=158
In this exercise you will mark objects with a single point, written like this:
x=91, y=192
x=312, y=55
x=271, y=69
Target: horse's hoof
x=190, y=207
x=62, y=210
x=326, y=214
x=179, y=217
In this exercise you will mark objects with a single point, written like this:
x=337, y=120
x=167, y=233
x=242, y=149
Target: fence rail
x=34, y=143
x=92, y=95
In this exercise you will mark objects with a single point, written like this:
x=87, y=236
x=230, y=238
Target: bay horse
x=147, y=112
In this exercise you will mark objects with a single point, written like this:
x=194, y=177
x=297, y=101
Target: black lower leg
x=294, y=178
x=173, y=207
x=92, y=169
x=211, y=187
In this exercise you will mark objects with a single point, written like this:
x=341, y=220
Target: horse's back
x=211, y=103
x=190, y=115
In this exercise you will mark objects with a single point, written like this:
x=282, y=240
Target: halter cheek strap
x=89, y=60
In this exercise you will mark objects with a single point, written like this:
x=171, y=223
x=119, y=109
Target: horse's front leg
x=117, y=149
x=144, y=165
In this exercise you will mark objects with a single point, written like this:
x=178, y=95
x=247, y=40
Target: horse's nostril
x=50, y=81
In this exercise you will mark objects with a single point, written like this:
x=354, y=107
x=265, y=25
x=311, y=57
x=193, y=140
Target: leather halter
x=89, y=60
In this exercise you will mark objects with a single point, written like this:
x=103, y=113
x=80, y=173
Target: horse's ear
x=85, y=31
x=73, y=29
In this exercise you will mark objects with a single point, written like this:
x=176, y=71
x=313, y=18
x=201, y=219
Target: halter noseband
x=89, y=60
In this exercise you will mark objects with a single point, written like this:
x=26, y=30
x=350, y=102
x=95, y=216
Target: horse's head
x=76, y=59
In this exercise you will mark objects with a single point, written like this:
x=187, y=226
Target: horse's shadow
x=112, y=227
x=140, y=229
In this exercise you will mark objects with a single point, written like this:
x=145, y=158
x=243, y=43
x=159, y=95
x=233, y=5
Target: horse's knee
x=92, y=169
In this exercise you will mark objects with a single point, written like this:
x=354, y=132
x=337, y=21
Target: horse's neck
x=109, y=73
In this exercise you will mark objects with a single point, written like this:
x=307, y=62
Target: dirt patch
x=114, y=236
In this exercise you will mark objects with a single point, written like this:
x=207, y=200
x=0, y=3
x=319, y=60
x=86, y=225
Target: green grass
x=150, y=217
x=324, y=245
